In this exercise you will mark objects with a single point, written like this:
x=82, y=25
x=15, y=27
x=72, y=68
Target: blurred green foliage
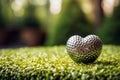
x=5, y=12
x=2, y=20
x=59, y=27
x=29, y=18
x=72, y=21
x=110, y=30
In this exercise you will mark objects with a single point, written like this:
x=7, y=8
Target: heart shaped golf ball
x=85, y=50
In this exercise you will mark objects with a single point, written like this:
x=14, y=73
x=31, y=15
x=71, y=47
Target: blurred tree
x=3, y=31
x=30, y=19
x=72, y=21
x=98, y=14
x=110, y=31
x=6, y=10
x=32, y=33
x=2, y=19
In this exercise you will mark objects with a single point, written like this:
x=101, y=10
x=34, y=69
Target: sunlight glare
x=108, y=6
x=17, y=6
x=55, y=6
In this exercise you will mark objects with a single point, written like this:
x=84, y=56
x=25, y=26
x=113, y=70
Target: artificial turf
x=53, y=63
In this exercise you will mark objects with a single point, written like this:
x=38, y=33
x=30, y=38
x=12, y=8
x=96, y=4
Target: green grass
x=53, y=63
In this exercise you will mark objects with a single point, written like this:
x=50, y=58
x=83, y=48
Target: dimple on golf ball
x=85, y=50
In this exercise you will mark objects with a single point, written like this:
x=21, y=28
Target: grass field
x=53, y=63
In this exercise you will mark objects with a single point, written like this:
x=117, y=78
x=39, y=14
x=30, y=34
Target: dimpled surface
x=85, y=50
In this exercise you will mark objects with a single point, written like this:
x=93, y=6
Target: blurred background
x=52, y=22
